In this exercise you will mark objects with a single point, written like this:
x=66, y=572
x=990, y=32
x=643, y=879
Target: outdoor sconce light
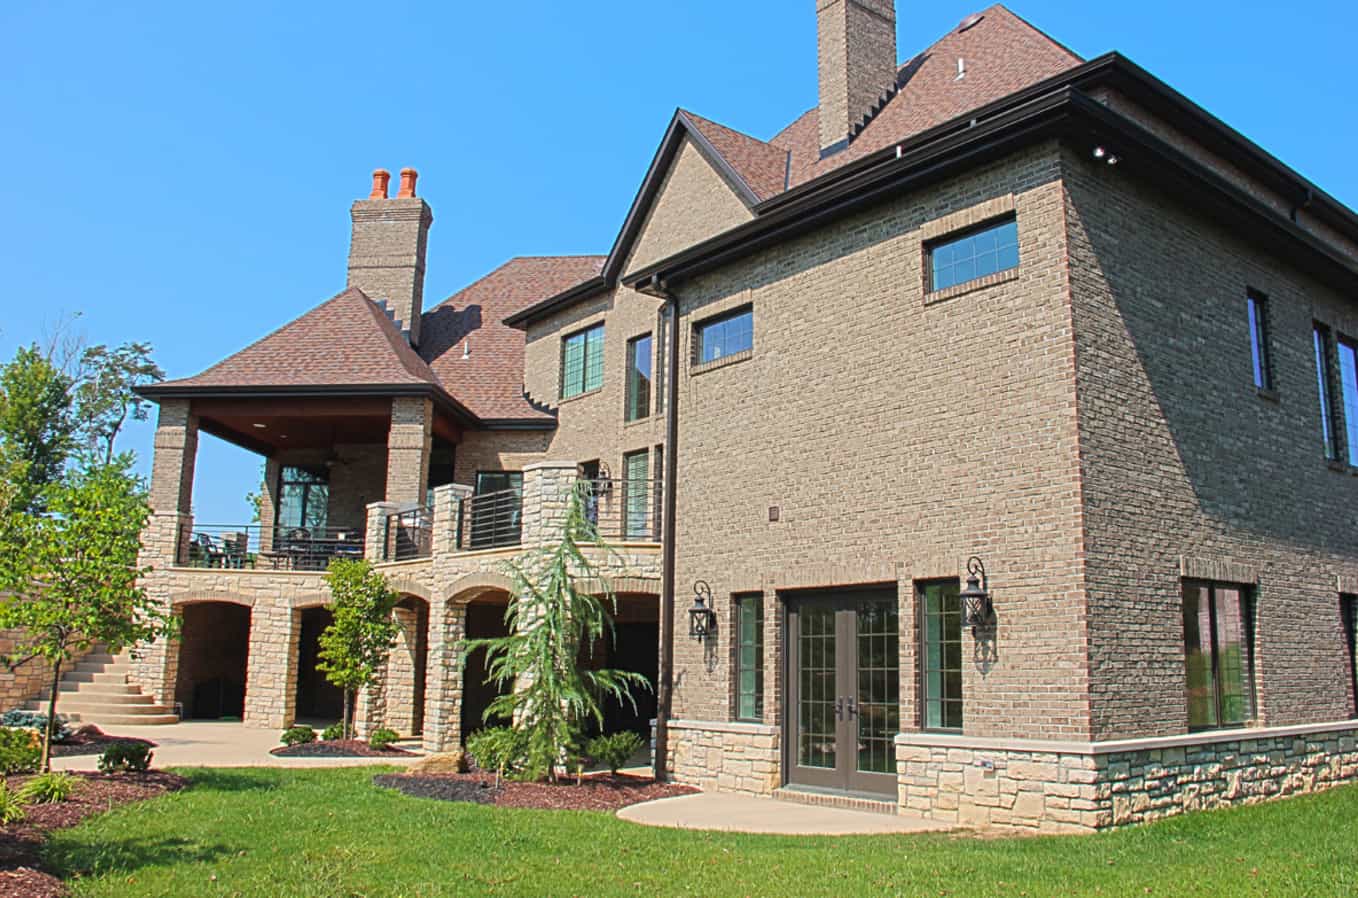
x=977, y=610
x=702, y=620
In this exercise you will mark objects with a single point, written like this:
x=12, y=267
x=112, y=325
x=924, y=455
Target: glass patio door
x=844, y=690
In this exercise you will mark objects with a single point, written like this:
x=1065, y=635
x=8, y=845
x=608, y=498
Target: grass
x=331, y=834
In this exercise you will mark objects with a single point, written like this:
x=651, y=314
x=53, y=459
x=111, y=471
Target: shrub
x=614, y=750
x=297, y=736
x=121, y=756
x=48, y=788
x=381, y=738
x=498, y=749
x=36, y=721
x=11, y=809
x=333, y=732
x=20, y=751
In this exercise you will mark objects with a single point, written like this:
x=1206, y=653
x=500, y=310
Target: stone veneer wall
x=730, y=757
x=1065, y=787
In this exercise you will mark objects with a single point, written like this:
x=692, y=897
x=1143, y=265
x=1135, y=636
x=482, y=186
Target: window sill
x=722, y=362
x=593, y=392
x=1267, y=393
x=990, y=280
x=638, y=421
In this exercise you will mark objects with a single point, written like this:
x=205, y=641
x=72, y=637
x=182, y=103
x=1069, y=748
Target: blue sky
x=182, y=174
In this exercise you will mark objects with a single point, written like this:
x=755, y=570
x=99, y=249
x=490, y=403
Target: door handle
x=850, y=707
x=839, y=708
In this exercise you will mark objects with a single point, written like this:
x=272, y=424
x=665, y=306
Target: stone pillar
x=447, y=521
x=268, y=503
x=176, y=450
x=370, y=706
x=547, y=487
x=155, y=667
x=443, y=677
x=271, y=672
x=401, y=672
x=375, y=536
x=409, y=443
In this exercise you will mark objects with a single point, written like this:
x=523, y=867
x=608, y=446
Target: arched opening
x=635, y=647
x=214, y=652
x=405, y=681
x=485, y=620
x=318, y=700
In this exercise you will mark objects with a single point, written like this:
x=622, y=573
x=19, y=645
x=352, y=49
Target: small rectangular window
x=725, y=335
x=638, y=378
x=1349, y=608
x=636, y=496
x=582, y=362
x=1257, y=305
x=1325, y=384
x=749, y=666
x=941, y=655
x=987, y=250
x=1348, y=382
x=1218, y=654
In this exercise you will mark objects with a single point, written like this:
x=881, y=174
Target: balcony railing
x=237, y=546
x=490, y=521
x=624, y=510
x=410, y=535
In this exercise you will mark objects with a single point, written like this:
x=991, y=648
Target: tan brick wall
x=409, y=442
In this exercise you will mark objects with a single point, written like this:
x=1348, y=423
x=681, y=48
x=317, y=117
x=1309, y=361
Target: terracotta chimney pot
x=408, y=176
x=381, y=178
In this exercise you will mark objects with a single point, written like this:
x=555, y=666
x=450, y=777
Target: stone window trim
x=932, y=297
x=957, y=223
x=714, y=316
x=1203, y=567
x=725, y=361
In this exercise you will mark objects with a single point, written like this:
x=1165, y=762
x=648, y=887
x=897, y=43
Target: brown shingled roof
x=489, y=380
x=762, y=166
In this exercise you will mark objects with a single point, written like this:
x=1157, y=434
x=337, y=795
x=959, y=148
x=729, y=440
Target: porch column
x=447, y=521
x=375, y=534
x=443, y=677
x=176, y=451
x=401, y=672
x=547, y=487
x=409, y=443
x=268, y=503
x=271, y=671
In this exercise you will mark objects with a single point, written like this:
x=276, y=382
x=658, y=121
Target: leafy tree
x=75, y=567
x=361, y=636
x=105, y=395
x=550, y=621
x=36, y=424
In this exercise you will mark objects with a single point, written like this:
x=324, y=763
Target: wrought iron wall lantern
x=702, y=620
x=977, y=609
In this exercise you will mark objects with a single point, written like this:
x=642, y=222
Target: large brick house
x=1003, y=410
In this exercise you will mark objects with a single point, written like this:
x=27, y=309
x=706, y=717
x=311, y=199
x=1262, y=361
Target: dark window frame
x=1248, y=609
x=954, y=238
x=1348, y=416
x=637, y=401
x=1261, y=341
x=637, y=501
x=703, y=327
x=1348, y=612
x=924, y=669
x=584, y=333
x=1322, y=340
x=739, y=603
x=319, y=478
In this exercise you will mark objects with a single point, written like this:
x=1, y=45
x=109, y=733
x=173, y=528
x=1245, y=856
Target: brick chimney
x=386, y=251
x=856, y=56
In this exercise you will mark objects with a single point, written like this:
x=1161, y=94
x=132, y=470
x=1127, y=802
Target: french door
x=843, y=682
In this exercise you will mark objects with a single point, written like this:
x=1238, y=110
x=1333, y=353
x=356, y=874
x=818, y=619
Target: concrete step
x=132, y=720
x=99, y=698
x=96, y=689
x=97, y=658
x=93, y=710
x=101, y=667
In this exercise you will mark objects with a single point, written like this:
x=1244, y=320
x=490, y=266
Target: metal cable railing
x=625, y=510
x=410, y=535
x=244, y=546
x=490, y=521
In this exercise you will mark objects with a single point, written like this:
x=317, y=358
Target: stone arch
x=407, y=585
x=308, y=600
x=469, y=587
x=213, y=654
x=621, y=585
x=212, y=595
x=405, y=677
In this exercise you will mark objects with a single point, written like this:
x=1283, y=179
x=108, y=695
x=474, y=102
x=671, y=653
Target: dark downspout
x=666, y=679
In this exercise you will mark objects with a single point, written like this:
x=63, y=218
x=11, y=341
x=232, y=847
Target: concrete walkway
x=746, y=814
x=209, y=744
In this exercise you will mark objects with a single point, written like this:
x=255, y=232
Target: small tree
x=73, y=574
x=36, y=424
x=106, y=397
x=361, y=636
x=550, y=620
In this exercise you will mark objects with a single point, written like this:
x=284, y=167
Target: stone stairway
x=96, y=691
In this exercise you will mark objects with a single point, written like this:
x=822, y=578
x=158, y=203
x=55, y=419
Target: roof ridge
x=400, y=344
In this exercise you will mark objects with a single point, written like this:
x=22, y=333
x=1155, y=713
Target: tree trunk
x=46, y=763
x=346, y=723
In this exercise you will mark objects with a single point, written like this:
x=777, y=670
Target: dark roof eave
x=582, y=290
x=519, y=423
x=441, y=397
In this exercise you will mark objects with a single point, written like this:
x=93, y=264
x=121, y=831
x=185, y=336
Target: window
x=988, y=250
x=725, y=335
x=1325, y=384
x=749, y=648
x=1349, y=608
x=582, y=362
x=638, y=378
x=1348, y=380
x=1257, y=305
x=1219, y=654
x=303, y=501
x=636, y=492
x=941, y=667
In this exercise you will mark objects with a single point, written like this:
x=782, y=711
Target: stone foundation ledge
x=725, y=756
x=1071, y=787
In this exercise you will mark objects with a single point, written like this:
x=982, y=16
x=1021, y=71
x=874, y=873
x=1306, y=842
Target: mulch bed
x=596, y=792
x=338, y=748
x=21, y=843
x=90, y=740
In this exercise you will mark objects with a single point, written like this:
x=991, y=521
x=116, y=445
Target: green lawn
x=274, y=833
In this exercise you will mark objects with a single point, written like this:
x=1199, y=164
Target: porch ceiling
x=268, y=425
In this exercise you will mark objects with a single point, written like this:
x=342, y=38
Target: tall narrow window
x=303, y=501
x=582, y=362
x=1349, y=607
x=1218, y=655
x=941, y=655
x=636, y=496
x=1348, y=380
x=974, y=254
x=725, y=335
x=1320, y=335
x=639, y=378
x=1263, y=369
x=749, y=648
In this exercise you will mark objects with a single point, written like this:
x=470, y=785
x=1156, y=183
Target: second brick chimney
x=856, y=44
x=387, y=249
